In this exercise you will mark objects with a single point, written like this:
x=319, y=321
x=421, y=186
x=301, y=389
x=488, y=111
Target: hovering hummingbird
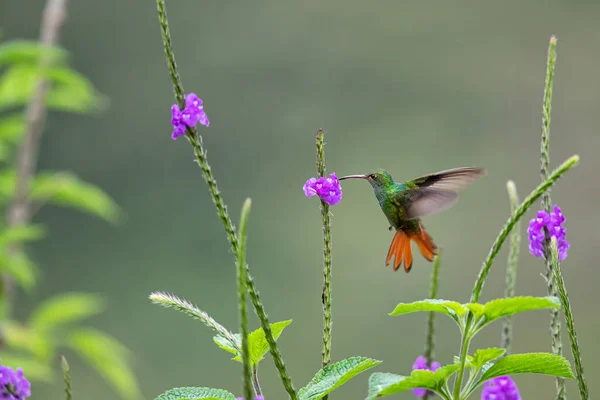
x=404, y=203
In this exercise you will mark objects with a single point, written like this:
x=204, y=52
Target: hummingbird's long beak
x=353, y=177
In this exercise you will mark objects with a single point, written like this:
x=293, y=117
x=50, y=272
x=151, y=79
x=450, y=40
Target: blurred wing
x=430, y=201
x=437, y=192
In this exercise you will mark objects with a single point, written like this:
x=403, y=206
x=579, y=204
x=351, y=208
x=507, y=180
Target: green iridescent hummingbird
x=405, y=203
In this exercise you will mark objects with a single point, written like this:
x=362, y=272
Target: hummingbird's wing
x=437, y=192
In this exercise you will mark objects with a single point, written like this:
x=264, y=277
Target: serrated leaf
x=65, y=308
x=193, y=393
x=226, y=344
x=68, y=190
x=483, y=356
x=529, y=363
x=108, y=357
x=333, y=376
x=476, y=308
x=385, y=384
x=508, y=306
x=451, y=308
x=257, y=343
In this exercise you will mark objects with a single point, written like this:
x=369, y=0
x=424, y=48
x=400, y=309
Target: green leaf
x=12, y=127
x=385, y=384
x=333, y=376
x=108, y=357
x=68, y=190
x=34, y=369
x=257, y=342
x=476, y=308
x=451, y=308
x=21, y=233
x=65, y=308
x=508, y=306
x=20, y=337
x=69, y=91
x=483, y=356
x=226, y=344
x=193, y=393
x=19, y=267
x=529, y=363
x=29, y=51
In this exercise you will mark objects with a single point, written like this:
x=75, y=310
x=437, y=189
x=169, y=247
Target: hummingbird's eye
x=372, y=176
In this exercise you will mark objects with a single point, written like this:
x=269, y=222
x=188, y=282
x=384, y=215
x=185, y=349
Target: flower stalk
x=200, y=153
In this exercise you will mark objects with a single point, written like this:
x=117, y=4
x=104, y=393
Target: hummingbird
x=405, y=203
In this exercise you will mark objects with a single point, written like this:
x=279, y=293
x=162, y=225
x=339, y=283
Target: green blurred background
x=413, y=88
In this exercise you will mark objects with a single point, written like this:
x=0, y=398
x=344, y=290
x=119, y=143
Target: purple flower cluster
x=421, y=363
x=257, y=398
x=500, y=388
x=190, y=116
x=328, y=189
x=553, y=222
x=13, y=385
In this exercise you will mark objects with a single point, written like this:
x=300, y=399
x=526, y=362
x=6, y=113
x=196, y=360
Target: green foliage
x=384, y=384
x=483, y=356
x=335, y=375
x=66, y=377
x=36, y=370
x=257, y=343
x=193, y=393
x=19, y=267
x=529, y=363
x=29, y=52
x=509, y=306
x=65, y=308
x=108, y=357
x=451, y=308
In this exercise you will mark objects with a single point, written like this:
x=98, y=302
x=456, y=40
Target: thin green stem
x=241, y=275
x=326, y=295
x=200, y=153
x=566, y=306
x=464, y=350
x=511, y=269
x=430, y=343
x=67, y=378
x=514, y=218
x=255, y=381
x=555, y=328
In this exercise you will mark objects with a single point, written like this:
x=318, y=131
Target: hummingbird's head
x=377, y=179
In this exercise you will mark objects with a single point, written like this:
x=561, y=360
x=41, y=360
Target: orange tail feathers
x=400, y=248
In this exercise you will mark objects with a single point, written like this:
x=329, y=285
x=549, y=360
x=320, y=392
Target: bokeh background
x=410, y=87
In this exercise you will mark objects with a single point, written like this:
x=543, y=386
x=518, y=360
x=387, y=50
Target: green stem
x=326, y=295
x=514, y=218
x=195, y=139
x=555, y=329
x=511, y=269
x=241, y=275
x=255, y=381
x=430, y=343
x=67, y=377
x=464, y=350
x=566, y=306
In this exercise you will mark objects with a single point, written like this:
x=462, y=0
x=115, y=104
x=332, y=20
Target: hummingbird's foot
x=390, y=228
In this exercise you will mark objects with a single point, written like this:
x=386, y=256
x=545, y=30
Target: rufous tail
x=401, y=250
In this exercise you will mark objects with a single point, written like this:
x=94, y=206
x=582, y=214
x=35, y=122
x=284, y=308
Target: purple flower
x=553, y=222
x=328, y=189
x=257, y=398
x=190, y=116
x=13, y=385
x=500, y=388
x=421, y=363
